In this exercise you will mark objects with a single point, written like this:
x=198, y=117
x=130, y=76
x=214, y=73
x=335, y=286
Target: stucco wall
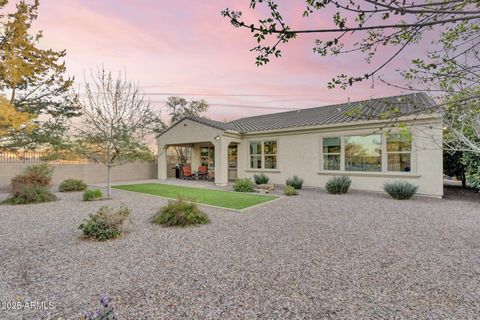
x=90, y=173
x=300, y=154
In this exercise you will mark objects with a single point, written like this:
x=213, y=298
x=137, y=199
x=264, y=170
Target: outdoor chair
x=202, y=172
x=187, y=172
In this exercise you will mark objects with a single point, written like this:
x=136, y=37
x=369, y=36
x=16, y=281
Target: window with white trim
x=332, y=150
x=263, y=154
x=399, y=152
x=363, y=153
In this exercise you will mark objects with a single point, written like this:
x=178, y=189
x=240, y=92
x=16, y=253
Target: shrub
x=261, y=178
x=244, y=185
x=105, y=312
x=71, y=185
x=36, y=175
x=180, y=213
x=338, y=185
x=295, y=182
x=92, y=194
x=290, y=191
x=31, y=194
x=105, y=224
x=400, y=190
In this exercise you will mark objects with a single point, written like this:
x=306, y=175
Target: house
x=373, y=141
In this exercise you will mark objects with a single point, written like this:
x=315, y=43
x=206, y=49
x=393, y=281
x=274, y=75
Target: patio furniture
x=211, y=175
x=202, y=172
x=187, y=172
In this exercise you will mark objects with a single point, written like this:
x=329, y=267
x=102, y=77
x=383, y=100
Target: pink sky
x=185, y=46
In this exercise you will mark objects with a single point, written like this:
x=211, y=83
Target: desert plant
x=244, y=185
x=400, y=190
x=295, y=182
x=30, y=194
x=105, y=224
x=180, y=213
x=290, y=191
x=71, y=185
x=35, y=175
x=261, y=178
x=105, y=312
x=338, y=185
x=92, y=194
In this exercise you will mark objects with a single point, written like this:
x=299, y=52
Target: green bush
x=244, y=185
x=290, y=191
x=105, y=224
x=338, y=185
x=400, y=190
x=92, y=194
x=71, y=185
x=31, y=194
x=180, y=213
x=295, y=182
x=35, y=175
x=260, y=178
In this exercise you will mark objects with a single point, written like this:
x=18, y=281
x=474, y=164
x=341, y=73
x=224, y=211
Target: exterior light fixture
x=217, y=138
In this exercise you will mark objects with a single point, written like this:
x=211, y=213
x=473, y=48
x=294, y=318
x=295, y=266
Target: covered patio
x=194, y=145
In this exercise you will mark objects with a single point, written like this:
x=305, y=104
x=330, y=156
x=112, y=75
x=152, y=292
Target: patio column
x=221, y=161
x=162, y=163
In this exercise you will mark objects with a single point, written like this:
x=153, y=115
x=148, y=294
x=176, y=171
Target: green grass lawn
x=225, y=199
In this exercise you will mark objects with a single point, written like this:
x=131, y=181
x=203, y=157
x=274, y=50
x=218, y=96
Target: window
x=207, y=157
x=363, y=153
x=331, y=153
x=263, y=155
x=399, y=152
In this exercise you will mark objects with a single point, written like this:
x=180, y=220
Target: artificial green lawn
x=225, y=199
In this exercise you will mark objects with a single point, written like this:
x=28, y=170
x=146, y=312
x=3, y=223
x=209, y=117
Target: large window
x=363, y=153
x=263, y=154
x=399, y=152
x=332, y=150
x=207, y=157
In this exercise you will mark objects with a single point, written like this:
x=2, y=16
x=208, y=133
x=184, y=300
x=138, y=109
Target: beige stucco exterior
x=300, y=153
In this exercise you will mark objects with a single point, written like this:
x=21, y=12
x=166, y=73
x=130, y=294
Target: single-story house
x=372, y=141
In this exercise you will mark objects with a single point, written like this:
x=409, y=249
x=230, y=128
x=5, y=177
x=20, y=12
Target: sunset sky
x=186, y=48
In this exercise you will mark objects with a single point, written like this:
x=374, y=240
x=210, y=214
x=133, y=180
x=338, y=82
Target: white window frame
x=323, y=153
x=398, y=152
x=262, y=155
x=384, y=170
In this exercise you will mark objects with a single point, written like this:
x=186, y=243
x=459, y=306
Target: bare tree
x=116, y=118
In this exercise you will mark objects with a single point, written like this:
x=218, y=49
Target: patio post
x=162, y=162
x=221, y=161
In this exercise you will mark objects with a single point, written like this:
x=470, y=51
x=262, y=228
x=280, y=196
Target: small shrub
x=92, y=194
x=295, y=182
x=290, y=191
x=71, y=185
x=105, y=312
x=338, y=185
x=31, y=194
x=244, y=185
x=180, y=213
x=261, y=178
x=400, y=190
x=36, y=175
x=105, y=224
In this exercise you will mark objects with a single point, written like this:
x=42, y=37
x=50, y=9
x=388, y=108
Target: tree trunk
x=464, y=180
x=109, y=181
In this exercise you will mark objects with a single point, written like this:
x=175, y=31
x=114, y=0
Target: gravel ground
x=314, y=256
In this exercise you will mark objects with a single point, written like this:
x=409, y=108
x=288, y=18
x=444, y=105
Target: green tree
x=365, y=26
x=116, y=117
x=34, y=78
x=12, y=121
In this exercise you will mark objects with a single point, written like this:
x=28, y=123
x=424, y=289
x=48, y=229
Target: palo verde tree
x=116, y=117
x=33, y=78
x=376, y=24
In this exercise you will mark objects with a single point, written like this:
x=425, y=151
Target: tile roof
x=340, y=113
